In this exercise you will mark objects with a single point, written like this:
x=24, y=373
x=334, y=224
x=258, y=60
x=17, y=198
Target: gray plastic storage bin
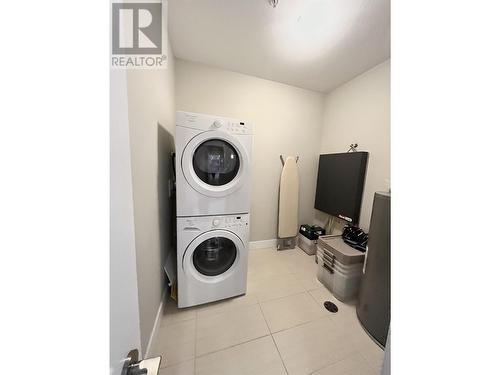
x=342, y=279
x=324, y=274
x=309, y=246
x=346, y=285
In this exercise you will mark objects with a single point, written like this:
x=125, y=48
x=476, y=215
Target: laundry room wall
x=151, y=97
x=287, y=120
x=359, y=112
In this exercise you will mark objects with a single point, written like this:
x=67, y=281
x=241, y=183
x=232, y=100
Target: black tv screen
x=339, y=189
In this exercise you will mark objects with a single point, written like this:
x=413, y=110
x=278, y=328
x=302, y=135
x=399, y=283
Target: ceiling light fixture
x=273, y=3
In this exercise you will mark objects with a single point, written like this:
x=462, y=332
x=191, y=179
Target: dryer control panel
x=207, y=122
x=237, y=127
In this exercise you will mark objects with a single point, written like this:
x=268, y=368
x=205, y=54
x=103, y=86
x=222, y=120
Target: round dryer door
x=213, y=254
x=214, y=163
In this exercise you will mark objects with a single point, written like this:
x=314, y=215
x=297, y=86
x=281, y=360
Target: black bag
x=355, y=237
x=311, y=232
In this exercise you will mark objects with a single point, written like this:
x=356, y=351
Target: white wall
x=287, y=120
x=359, y=112
x=151, y=103
x=124, y=321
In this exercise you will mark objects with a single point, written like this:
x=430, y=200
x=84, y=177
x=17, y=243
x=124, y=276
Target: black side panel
x=339, y=188
x=374, y=304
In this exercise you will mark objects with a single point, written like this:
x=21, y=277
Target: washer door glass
x=216, y=162
x=214, y=256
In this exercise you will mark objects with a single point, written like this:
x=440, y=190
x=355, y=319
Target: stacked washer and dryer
x=213, y=207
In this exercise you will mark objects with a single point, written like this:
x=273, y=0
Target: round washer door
x=213, y=256
x=214, y=163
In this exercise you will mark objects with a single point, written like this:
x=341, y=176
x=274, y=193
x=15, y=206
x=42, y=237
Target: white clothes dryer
x=212, y=258
x=213, y=156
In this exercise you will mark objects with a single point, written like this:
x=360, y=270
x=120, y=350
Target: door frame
x=124, y=299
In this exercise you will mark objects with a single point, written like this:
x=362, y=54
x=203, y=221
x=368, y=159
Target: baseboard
x=156, y=326
x=263, y=244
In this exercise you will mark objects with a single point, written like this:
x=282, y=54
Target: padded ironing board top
x=288, y=200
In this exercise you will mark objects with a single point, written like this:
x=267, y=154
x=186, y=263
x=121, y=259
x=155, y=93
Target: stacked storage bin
x=308, y=237
x=339, y=267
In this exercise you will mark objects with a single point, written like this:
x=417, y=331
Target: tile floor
x=279, y=327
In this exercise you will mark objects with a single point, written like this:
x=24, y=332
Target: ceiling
x=313, y=44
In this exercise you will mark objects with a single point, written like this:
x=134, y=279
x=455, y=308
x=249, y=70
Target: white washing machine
x=212, y=258
x=213, y=156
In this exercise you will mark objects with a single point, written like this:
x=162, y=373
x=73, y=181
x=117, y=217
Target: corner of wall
x=151, y=97
x=359, y=111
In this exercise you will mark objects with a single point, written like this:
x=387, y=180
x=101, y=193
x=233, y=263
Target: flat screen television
x=339, y=188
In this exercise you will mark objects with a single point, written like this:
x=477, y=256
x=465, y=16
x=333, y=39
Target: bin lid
x=341, y=251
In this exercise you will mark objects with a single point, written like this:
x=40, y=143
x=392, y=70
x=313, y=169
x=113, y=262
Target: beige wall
x=287, y=120
x=151, y=102
x=359, y=112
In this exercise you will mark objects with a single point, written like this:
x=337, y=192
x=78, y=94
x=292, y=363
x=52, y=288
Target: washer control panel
x=234, y=222
x=204, y=223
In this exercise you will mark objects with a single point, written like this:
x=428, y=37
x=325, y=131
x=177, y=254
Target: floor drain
x=330, y=306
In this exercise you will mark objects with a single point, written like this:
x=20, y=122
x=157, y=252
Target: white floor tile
x=226, y=305
x=355, y=364
x=176, y=342
x=272, y=267
x=257, y=357
x=272, y=287
x=172, y=314
x=312, y=346
x=283, y=295
x=370, y=351
x=183, y=368
x=322, y=294
x=291, y=311
x=302, y=266
x=220, y=331
x=309, y=282
x=257, y=255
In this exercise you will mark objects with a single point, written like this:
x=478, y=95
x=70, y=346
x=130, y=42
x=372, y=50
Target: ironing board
x=288, y=210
